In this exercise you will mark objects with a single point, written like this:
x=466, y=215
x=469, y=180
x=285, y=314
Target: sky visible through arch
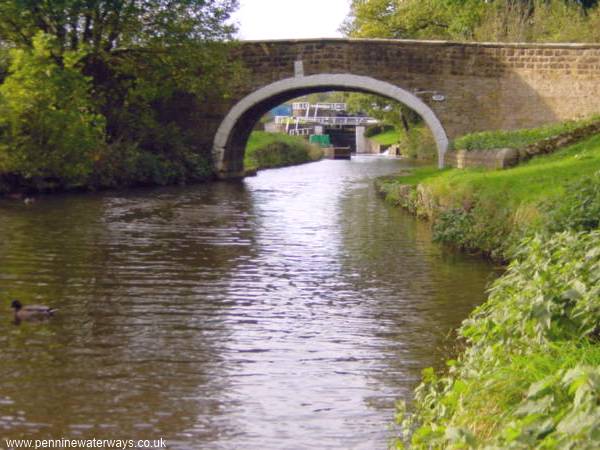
x=290, y=19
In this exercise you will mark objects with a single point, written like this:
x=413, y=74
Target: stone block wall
x=485, y=86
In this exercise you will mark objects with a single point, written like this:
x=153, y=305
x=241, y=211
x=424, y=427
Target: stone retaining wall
x=509, y=157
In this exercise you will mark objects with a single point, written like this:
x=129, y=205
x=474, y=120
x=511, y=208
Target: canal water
x=287, y=311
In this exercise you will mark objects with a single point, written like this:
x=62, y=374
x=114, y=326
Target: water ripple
x=289, y=311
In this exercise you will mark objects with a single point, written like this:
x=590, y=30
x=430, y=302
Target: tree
x=420, y=19
x=103, y=25
x=480, y=20
x=175, y=40
x=146, y=64
x=48, y=126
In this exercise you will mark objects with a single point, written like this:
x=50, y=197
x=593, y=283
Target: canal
x=287, y=311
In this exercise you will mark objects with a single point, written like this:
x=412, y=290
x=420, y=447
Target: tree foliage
x=479, y=20
x=103, y=25
x=48, y=126
x=147, y=66
x=422, y=19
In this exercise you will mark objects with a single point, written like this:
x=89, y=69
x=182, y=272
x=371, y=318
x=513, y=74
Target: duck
x=31, y=312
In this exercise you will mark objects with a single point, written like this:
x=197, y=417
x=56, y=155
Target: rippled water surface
x=288, y=311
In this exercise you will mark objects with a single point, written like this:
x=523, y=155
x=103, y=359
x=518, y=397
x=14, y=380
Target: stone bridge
x=456, y=87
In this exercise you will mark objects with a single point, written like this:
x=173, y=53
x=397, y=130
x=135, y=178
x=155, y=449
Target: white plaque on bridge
x=298, y=68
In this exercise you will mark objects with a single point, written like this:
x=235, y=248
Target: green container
x=322, y=140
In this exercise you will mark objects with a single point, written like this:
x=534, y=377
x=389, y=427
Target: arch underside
x=230, y=139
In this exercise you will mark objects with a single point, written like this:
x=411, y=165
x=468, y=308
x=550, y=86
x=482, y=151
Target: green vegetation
x=48, y=129
x=477, y=20
x=488, y=140
x=266, y=150
x=530, y=374
x=101, y=93
x=417, y=142
x=490, y=211
x=375, y=130
x=530, y=377
x=388, y=137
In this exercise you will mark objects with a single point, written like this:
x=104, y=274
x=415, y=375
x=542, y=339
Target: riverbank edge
x=278, y=151
x=12, y=188
x=16, y=191
x=511, y=385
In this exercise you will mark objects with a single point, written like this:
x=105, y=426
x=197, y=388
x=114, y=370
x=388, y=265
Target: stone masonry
x=468, y=86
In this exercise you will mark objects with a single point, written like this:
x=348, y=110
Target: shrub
x=578, y=209
x=551, y=291
x=48, y=127
x=530, y=376
x=373, y=130
x=124, y=164
x=418, y=143
x=453, y=226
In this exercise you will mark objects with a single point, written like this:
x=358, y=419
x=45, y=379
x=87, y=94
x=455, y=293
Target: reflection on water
x=289, y=311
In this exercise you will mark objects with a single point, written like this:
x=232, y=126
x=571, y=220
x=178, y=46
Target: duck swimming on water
x=31, y=312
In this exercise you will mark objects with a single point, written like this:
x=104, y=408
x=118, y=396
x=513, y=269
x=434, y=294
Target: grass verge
x=489, y=140
x=388, y=137
x=490, y=210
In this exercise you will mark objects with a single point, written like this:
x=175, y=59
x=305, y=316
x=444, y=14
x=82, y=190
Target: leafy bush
x=373, y=130
x=4, y=63
x=530, y=377
x=48, y=127
x=418, y=143
x=453, y=226
x=545, y=399
x=551, y=291
x=124, y=164
x=578, y=209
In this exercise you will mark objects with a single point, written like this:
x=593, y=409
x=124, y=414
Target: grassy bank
x=490, y=211
x=489, y=140
x=530, y=374
x=266, y=150
x=388, y=137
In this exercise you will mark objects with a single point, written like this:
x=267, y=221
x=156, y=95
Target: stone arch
x=231, y=136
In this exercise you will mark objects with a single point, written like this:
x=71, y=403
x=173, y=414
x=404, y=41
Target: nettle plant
x=530, y=376
x=550, y=292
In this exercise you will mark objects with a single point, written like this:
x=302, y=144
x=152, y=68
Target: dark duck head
x=31, y=312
